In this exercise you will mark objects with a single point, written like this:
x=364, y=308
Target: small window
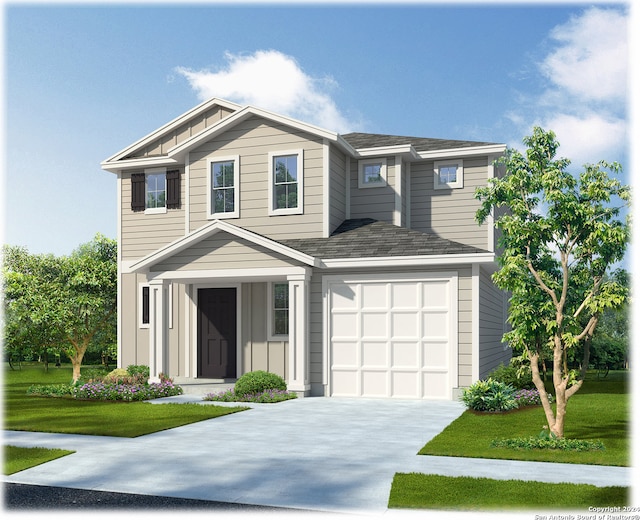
x=447, y=174
x=372, y=173
x=144, y=306
x=280, y=309
x=156, y=191
x=223, y=182
x=286, y=183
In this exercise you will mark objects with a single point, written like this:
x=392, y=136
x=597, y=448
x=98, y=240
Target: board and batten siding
x=258, y=352
x=376, y=203
x=316, y=331
x=252, y=140
x=449, y=213
x=337, y=188
x=162, y=145
x=142, y=233
x=492, y=326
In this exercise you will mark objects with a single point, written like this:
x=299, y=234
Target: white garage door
x=393, y=338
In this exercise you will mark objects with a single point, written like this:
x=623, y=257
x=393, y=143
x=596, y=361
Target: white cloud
x=587, y=138
x=584, y=100
x=591, y=59
x=274, y=81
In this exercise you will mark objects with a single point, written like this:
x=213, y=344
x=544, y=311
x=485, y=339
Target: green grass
x=68, y=415
x=600, y=410
x=419, y=491
x=18, y=459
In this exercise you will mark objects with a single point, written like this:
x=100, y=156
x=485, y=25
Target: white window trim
x=287, y=211
x=141, y=287
x=270, y=310
x=236, y=187
x=383, y=173
x=458, y=163
x=151, y=211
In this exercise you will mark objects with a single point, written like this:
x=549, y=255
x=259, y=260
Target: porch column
x=298, y=380
x=157, y=328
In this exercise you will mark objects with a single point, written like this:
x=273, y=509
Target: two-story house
x=351, y=265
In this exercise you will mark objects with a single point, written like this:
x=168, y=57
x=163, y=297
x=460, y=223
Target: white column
x=298, y=334
x=157, y=329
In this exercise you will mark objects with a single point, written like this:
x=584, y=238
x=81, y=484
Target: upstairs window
x=285, y=183
x=223, y=192
x=155, y=191
x=448, y=174
x=372, y=173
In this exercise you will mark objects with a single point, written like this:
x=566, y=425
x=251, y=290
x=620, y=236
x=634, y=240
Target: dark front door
x=217, y=333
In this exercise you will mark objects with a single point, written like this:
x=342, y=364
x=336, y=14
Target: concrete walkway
x=326, y=454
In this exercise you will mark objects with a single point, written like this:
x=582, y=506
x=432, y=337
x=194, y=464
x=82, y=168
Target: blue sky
x=82, y=81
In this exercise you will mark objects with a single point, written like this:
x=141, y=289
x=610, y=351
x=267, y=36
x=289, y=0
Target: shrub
x=269, y=396
x=138, y=370
x=59, y=390
x=257, y=382
x=513, y=374
x=541, y=443
x=125, y=392
x=490, y=396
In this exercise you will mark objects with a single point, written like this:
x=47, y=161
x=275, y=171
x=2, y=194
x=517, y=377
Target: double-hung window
x=224, y=190
x=279, y=310
x=286, y=183
x=448, y=174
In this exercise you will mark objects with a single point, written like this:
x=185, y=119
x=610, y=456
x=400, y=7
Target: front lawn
x=419, y=491
x=110, y=418
x=18, y=459
x=600, y=410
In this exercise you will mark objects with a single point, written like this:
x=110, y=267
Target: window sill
x=155, y=211
x=280, y=337
x=221, y=216
x=288, y=211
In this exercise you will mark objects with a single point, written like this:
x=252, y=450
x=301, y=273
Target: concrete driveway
x=326, y=454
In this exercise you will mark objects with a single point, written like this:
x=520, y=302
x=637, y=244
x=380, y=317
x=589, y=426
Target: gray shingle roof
x=361, y=238
x=421, y=144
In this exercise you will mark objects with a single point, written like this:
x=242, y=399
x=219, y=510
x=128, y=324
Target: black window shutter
x=173, y=189
x=137, y=192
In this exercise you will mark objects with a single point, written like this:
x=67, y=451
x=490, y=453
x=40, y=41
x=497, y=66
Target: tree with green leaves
x=62, y=302
x=559, y=235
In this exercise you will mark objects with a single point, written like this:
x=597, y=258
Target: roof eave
x=492, y=149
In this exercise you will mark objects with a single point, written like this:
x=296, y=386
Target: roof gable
x=208, y=230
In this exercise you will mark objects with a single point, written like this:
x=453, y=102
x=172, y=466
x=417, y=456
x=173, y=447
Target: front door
x=217, y=333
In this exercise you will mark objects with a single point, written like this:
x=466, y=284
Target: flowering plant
x=125, y=392
x=529, y=397
x=268, y=396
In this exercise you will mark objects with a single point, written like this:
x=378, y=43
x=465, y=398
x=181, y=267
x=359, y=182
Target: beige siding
x=258, y=353
x=337, y=180
x=145, y=233
x=376, y=203
x=252, y=140
x=224, y=251
x=464, y=321
x=492, y=323
x=135, y=340
x=449, y=213
x=162, y=145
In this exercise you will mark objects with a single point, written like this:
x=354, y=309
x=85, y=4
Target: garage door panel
x=404, y=296
x=374, y=325
x=405, y=355
x=343, y=297
x=374, y=354
x=435, y=324
x=374, y=296
x=344, y=382
x=405, y=385
x=435, y=294
x=435, y=354
x=374, y=383
x=435, y=385
x=344, y=325
x=345, y=354
x=405, y=324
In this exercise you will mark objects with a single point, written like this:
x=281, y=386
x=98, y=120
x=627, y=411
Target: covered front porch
x=228, y=321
